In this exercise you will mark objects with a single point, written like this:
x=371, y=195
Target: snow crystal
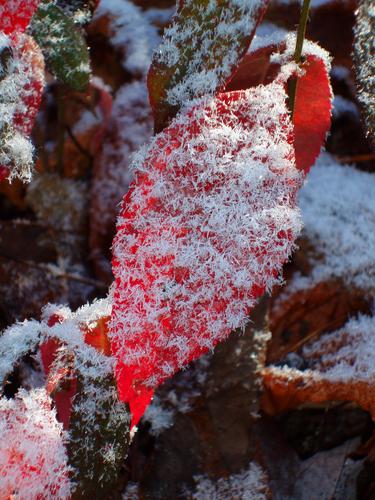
x=338, y=208
x=286, y=57
x=247, y=485
x=131, y=31
x=185, y=43
x=340, y=72
x=19, y=102
x=158, y=416
x=218, y=204
x=130, y=126
x=131, y=492
x=19, y=339
x=364, y=61
x=33, y=460
x=347, y=354
x=267, y=34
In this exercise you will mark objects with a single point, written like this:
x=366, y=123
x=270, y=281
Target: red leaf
x=31, y=59
x=203, y=231
x=63, y=397
x=312, y=112
x=15, y=15
x=29, y=81
x=255, y=69
x=97, y=336
x=312, y=109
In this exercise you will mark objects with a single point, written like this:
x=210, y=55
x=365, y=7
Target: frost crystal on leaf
x=20, y=89
x=203, y=232
x=250, y=484
x=33, y=460
x=132, y=32
x=364, y=62
x=198, y=50
x=15, y=15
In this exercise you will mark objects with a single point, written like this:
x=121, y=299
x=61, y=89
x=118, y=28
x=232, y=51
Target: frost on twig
x=130, y=32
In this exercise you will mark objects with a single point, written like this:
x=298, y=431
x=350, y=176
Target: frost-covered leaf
x=251, y=483
x=313, y=101
x=312, y=111
x=98, y=437
x=63, y=46
x=15, y=15
x=21, y=91
x=33, y=460
x=85, y=394
x=200, y=52
x=340, y=367
x=80, y=11
x=130, y=32
x=203, y=232
x=364, y=62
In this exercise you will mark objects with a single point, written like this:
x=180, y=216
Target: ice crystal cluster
x=365, y=62
x=130, y=126
x=33, y=460
x=191, y=43
x=250, y=484
x=346, y=354
x=203, y=231
x=345, y=244
x=131, y=31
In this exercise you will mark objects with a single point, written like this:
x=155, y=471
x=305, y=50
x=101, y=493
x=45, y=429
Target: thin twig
x=77, y=144
x=47, y=268
x=356, y=158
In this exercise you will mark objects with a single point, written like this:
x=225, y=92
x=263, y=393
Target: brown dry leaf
x=307, y=314
x=339, y=368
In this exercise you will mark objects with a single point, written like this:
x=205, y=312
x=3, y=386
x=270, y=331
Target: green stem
x=298, y=52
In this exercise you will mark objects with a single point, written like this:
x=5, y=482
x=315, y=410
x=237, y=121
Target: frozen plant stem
x=298, y=52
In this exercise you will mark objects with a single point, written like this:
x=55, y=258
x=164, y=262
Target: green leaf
x=63, y=46
x=364, y=63
x=80, y=11
x=200, y=52
x=99, y=438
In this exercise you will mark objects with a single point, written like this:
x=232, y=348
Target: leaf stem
x=298, y=52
